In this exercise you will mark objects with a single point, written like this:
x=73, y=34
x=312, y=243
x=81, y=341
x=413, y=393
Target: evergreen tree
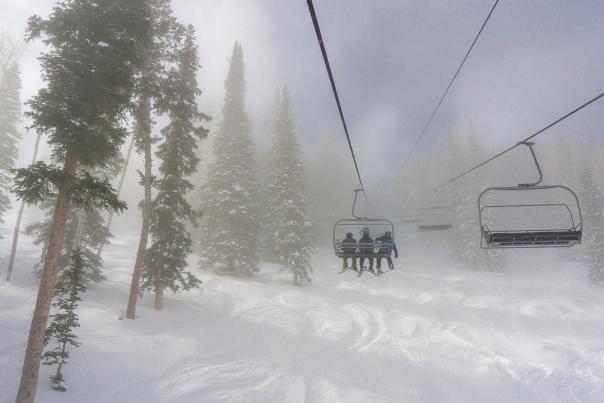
x=592, y=199
x=60, y=330
x=85, y=230
x=460, y=200
x=166, y=259
x=10, y=112
x=149, y=100
x=289, y=234
x=229, y=236
x=89, y=73
x=464, y=193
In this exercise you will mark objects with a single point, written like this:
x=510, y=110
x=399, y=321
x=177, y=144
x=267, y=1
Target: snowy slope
x=428, y=332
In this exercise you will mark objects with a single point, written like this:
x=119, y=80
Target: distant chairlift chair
x=529, y=237
x=437, y=217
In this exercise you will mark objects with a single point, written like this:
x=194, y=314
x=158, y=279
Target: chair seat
x=365, y=255
x=533, y=238
x=434, y=227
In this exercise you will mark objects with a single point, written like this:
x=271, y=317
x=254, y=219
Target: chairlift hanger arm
x=530, y=146
x=354, y=203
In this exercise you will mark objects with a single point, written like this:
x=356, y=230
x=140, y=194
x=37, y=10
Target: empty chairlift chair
x=437, y=217
x=562, y=223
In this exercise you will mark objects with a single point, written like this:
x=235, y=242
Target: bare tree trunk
x=159, y=283
x=144, y=130
x=13, y=248
x=35, y=342
x=119, y=190
x=77, y=238
x=159, y=294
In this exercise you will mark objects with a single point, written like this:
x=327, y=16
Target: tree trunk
x=13, y=249
x=77, y=239
x=35, y=342
x=159, y=295
x=144, y=130
x=159, y=284
x=119, y=190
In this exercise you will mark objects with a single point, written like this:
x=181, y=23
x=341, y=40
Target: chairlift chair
x=523, y=237
x=376, y=226
x=436, y=217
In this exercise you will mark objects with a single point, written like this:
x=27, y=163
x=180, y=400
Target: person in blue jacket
x=386, y=245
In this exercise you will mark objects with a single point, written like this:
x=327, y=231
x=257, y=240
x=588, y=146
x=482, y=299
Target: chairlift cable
x=315, y=22
x=549, y=126
x=442, y=98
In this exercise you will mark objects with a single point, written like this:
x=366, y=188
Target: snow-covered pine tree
x=89, y=74
x=157, y=56
x=288, y=227
x=70, y=286
x=10, y=113
x=230, y=226
x=455, y=157
x=166, y=259
x=592, y=202
x=464, y=193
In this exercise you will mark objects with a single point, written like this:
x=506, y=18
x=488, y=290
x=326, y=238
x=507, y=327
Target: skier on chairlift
x=386, y=245
x=366, y=246
x=349, y=248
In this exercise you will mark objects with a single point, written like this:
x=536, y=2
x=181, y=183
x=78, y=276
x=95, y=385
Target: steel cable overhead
x=313, y=16
x=442, y=98
x=532, y=136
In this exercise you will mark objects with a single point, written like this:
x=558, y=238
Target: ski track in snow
x=426, y=332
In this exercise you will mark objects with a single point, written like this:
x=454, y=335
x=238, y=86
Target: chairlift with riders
x=358, y=224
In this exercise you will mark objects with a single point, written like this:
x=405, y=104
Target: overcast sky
x=536, y=60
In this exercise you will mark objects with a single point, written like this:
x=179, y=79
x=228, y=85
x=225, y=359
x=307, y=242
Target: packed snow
x=429, y=331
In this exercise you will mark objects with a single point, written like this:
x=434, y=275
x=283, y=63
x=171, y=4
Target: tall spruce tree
x=288, y=227
x=149, y=99
x=166, y=259
x=10, y=113
x=466, y=239
x=60, y=330
x=230, y=226
x=89, y=73
x=592, y=199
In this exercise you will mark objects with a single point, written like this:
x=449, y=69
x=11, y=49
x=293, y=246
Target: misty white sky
x=536, y=60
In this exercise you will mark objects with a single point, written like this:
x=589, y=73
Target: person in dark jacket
x=349, y=248
x=386, y=245
x=366, y=246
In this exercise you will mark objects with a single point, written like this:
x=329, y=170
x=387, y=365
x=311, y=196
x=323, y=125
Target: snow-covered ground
x=429, y=331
